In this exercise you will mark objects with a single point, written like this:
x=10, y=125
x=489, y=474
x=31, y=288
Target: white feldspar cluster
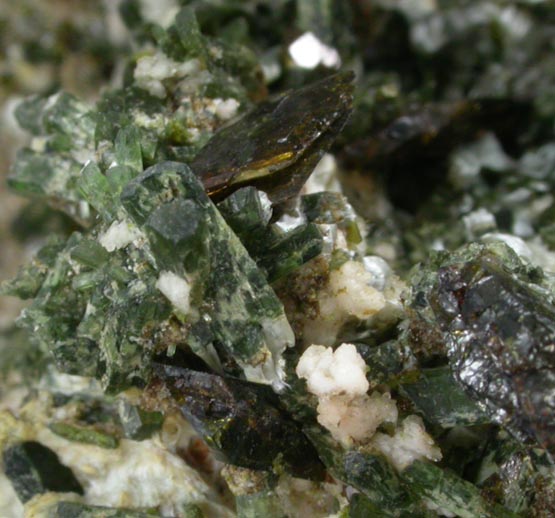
x=352, y=293
x=225, y=109
x=338, y=379
x=307, y=51
x=409, y=443
x=118, y=235
x=151, y=71
x=329, y=373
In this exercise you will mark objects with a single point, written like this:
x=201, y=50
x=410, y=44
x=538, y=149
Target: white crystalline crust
x=226, y=108
x=356, y=418
x=351, y=293
x=338, y=379
x=410, y=442
x=119, y=235
x=176, y=290
x=152, y=70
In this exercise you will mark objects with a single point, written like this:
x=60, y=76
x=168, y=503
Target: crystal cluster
x=291, y=259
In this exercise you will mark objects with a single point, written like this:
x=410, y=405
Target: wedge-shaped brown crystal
x=276, y=146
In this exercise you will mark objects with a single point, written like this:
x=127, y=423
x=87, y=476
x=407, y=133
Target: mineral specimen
x=282, y=259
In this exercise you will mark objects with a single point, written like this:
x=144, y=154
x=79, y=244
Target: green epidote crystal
x=450, y=493
x=437, y=395
x=248, y=212
x=87, y=436
x=236, y=308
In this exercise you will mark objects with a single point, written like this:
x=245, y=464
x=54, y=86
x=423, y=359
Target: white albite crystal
x=119, y=235
x=542, y=255
x=307, y=51
x=175, y=289
x=329, y=372
x=356, y=418
x=160, y=12
x=226, y=108
x=8, y=120
x=278, y=336
x=379, y=269
x=152, y=70
x=409, y=443
x=338, y=379
x=288, y=222
x=469, y=160
x=479, y=222
x=350, y=294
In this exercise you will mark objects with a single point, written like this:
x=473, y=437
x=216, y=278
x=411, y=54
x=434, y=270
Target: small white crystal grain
x=479, y=222
x=330, y=373
x=152, y=70
x=356, y=418
x=226, y=109
x=308, y=51
x=161, y=12
x=119, y=235
x=409, y=443
x=175, y=289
